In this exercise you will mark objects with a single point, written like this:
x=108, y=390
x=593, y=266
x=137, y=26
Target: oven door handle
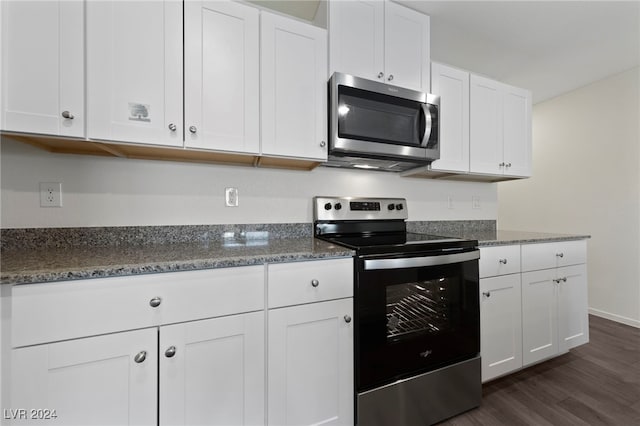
x=416, y=262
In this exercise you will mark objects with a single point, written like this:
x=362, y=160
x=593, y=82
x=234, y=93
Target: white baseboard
x=613, y=317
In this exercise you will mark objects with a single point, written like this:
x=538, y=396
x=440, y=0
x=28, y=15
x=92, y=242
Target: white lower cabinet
x=501, y=331
x=104, y=380
x=533, y=304
x=554, y=312
x=311, y=364
x=212, y=371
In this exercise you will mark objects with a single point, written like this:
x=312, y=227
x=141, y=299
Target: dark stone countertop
x=503, y=238
x=75, y=263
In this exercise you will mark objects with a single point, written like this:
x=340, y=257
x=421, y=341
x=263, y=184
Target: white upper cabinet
x=293, y=88
x=222, y=76
x=452, y=85
x=500, y=128
x=380, y=41
x=43, y=67
x=134, y=71
x=407, y=47
x=356, y=37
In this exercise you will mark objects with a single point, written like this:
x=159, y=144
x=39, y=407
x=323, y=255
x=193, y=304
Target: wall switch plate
x=50, y=194
x=475, y=202
x=231, y=197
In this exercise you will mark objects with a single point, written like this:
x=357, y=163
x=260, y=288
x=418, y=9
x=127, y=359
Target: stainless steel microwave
x=373, y=125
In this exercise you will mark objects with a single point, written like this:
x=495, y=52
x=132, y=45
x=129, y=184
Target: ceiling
x=549, y=47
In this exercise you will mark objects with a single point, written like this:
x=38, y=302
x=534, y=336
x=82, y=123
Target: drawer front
x=71, y=309
x=551, y=255
x=499, y=260
x=306, y=282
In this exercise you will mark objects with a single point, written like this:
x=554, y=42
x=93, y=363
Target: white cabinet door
x=105, y=380
x=452, y=85
x=485, y=126
x=212, y=371
x=573, y=315
x=517, y=131
x=43, y=67
x=539, y=316
x=311, y=364
x=134, y=71
x=222, y=78
x=293, y=88
x=356, y=38
x=407, y=47
x=500, y=325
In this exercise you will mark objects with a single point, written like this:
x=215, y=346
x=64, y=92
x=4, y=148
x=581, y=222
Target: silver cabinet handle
x=486, y=294
x=140, y=357
x=172, y=127
x=193, y=129
x=390, y=78
x=170, y=352
x=323, y=144
x=67, y=114
x=501, y=165
x=347, y=319
x=380, y=74
x=508, y=164
x=155, y=302
x=564, y=279
x=315, y=283
x=560, y=255
x=503, y=261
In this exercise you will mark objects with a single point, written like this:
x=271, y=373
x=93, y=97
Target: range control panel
x=352, y=208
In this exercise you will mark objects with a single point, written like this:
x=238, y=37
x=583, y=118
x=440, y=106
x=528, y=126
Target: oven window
x=422, y=307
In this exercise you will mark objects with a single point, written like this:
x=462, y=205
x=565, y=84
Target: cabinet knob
x=390, y=78
x=315, y=283
x=323, y=144
x=140, y=357
x=508, y=165
x=193, y=129
x=564, y=279
x=501, y=165
x=380, y=74
x=67, y=114
x=560, y=254
x=486, y=294
x=155, y=302
x=503, y=261
x=347, y=319
x=172, y=127
x=170, y=352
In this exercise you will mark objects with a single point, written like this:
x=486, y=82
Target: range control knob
x=337, y=206
x=399, y=207
x=327, y=206
x=391, y=207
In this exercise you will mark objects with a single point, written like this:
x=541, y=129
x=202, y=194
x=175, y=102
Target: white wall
x=101, y=191
x=586, y=180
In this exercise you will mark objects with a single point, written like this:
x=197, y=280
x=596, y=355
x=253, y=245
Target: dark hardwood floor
x=594, y=384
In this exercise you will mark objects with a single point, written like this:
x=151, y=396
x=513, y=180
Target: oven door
x=415, y=314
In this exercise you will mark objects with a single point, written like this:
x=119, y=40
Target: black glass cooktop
x=398, y=242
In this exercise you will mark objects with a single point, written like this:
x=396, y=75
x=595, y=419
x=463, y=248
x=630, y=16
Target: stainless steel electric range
x=417, y=316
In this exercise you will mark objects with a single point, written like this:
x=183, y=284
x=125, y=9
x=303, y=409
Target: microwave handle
x=428, y=123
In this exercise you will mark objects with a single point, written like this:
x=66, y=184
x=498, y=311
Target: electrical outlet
x=50, y=194
x=475, y=202
x=231, y=197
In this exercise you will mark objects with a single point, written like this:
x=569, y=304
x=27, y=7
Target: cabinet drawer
x=307, y=282
x=499, y=260
x=551, y=255
x=71, y=309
